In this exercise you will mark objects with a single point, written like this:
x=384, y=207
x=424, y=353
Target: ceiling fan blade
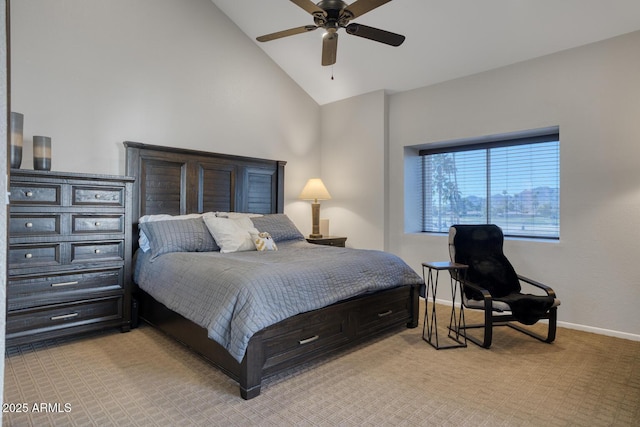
x=375, y=34
x=310, y=7
x=329, y=48
x=286, y=33
x=360, y=7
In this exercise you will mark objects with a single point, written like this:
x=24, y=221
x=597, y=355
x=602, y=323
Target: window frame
x=488, y=143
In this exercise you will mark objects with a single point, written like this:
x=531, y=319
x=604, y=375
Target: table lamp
x=315, y=190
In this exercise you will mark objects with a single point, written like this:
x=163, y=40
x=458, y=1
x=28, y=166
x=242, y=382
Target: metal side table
x=430, y=273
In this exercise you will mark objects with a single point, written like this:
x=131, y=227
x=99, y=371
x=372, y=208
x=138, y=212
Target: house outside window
x=513, y=183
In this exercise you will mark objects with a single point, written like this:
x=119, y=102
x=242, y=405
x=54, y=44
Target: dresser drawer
x=35, y=194
x=23, y=292
x=32, y=225
x=97, y=196
x=97, y=251
x=34, y=255
x=39, y=320
x=97, y=224
x=391, y=309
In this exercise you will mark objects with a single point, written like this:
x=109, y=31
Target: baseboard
x=577, y=327
x=600, y=331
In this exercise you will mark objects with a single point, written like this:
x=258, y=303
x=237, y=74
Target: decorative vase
x=42, y=153
x=15, y=128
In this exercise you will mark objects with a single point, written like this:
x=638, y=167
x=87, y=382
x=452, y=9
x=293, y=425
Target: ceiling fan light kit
x=332, y=15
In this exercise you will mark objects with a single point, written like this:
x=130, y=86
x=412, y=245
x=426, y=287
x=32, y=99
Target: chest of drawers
x=69, y=260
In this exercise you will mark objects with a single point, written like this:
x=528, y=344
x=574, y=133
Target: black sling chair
x=492, y=285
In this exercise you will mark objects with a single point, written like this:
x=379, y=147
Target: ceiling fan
x=332, y=15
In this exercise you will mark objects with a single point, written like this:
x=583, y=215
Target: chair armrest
x=537, y=284
x=486, y=295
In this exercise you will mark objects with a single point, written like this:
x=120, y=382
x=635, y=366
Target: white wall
x=353, y=169
x=93, y=73
x=593, y=94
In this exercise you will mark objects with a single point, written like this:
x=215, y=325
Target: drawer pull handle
x=29, y=194
x=53, y=285
x=28, y=256
x=98, y=224
x=29, y=225
x=97, y=251
x=64, y=316
x=308, y=340
x=386, y=313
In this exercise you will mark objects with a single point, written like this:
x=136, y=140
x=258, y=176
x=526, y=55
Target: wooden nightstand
x=328, y=241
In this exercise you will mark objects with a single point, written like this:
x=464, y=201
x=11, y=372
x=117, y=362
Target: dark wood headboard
x=179, y=181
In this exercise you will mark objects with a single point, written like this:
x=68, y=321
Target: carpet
x=143, y=378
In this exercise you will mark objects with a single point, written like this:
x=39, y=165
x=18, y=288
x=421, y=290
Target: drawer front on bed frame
x=69, y=259
x=318, y=332
x=383, y=311
x=312, y=332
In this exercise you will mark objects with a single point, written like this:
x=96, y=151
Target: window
x=513, y=183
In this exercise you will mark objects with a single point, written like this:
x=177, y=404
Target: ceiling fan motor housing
x=335, y=17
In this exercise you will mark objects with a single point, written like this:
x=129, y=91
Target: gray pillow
x=279, y=226
x=185, y=235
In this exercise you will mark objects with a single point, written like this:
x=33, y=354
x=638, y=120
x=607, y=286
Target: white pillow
x=143, y=240
x=231, y=234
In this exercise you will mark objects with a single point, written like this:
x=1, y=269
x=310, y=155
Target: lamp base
x=315, y=221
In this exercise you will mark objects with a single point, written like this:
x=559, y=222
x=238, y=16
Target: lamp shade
x=314, y=190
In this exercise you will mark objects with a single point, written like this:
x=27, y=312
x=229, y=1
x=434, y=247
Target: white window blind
x=513, y=183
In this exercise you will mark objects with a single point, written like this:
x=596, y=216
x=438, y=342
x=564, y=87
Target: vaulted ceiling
x=445, y=39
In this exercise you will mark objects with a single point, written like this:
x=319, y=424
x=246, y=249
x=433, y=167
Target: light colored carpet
x=142, y=378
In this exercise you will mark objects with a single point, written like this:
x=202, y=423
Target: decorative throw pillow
x=143, y=239
x=264, y=242
x=231, y=234
x=279, y=226
x=189, y=235
x=208, y=242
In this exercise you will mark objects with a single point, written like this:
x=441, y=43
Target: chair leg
x=553, y=319
x=487, y=326
x=551, y=330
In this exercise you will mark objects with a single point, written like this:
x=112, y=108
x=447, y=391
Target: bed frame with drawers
x=178, y=181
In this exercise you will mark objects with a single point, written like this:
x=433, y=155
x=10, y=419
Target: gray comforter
x=235, y=295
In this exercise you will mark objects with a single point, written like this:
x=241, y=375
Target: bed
x=173, y=181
